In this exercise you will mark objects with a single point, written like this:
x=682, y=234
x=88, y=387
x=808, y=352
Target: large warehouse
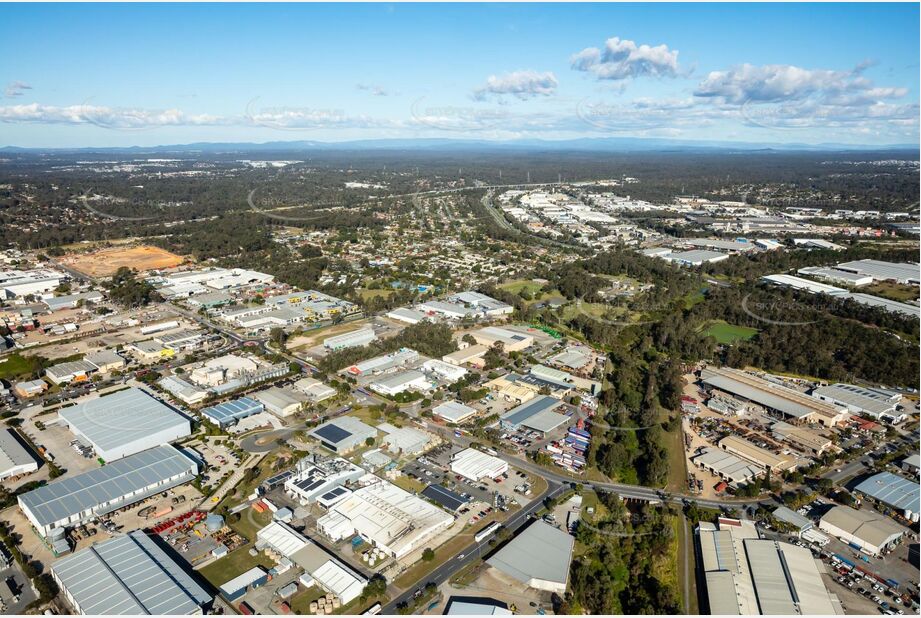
x=453, y=411
x=386, y=516
x=73, y=500
x=538, y=414
x=342, y=434
x=475, y=465
x=894, y=491
x=792, y=404
x=15, y=458
x=871, y=532
x=538, y=557
x=746, y=575
x=128, y=575
x=124, y=423
x=878, y=403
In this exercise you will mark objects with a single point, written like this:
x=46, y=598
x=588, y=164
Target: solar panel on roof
x=332, y=433
x=445, y=497
x=309, y=484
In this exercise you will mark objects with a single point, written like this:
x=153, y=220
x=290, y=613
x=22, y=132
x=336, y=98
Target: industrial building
x=538, y=557
x=833, y=275
x=333, y=576
x=73, y=500
x=183, y=390
x=343, y=434
x=478, y=606
x=864, y=530
x=471, y=355
x=404, y=440
x=15, y=458
x=475, y=465
x=106, y=360
x=481, y=304
x=894, y=491
x=696, y=257
x=802, y=438
x=315, y=476
x=72, y=371
x=884, y=271
x=395, y=383
x=314, y=389
x=386, y=516
x=124, y=423
x=763, y=458
x=747, y=575
x=719, y=244
x=351, y=339
x=512, y=341
x=404, y=314
x=734, y=470
x=239, y=585
x=774, y=397
x=281, y=402
x=453, y=411
x=875, y=402
x=804, y=285
x=380, y=364
x=440, y=370
x=128, y=575
x=228, y=413
x=565, y=380
x=537, y=414
x=447, y=499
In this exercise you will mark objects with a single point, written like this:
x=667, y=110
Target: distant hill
x=600, y=144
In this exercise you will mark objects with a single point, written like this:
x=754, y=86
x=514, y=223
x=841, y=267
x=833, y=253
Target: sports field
x=105, y=262
x=726, y=333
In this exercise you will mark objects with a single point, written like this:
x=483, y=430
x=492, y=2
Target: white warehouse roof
x=125, y=422
x=538, y=557
x=476, y=465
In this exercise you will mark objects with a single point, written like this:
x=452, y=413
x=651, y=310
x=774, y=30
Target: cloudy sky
x=119, y=75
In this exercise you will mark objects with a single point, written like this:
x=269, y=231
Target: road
x=474, y=550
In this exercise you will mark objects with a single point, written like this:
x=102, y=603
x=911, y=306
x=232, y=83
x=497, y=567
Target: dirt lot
x=105, y=262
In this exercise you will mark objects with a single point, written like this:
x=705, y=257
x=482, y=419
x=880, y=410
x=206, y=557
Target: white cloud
x=519, y=84
x=118, y=118
x=784, y=82
x=624, y=59
x=378, y=91
x=15, y=89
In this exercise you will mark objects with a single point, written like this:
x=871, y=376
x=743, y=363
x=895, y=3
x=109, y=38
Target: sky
x=98, y=75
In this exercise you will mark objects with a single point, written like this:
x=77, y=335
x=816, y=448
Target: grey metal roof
x=868, y=399
x=129, y=575
x=537, y=414
x=792, y=517
x=540, y=552
x=883, y=270
x=343, y=428
x=233, y=410
x=769, y=400
x=112, y=421
x=12, y=452
x=896, y=491
x=72, y=495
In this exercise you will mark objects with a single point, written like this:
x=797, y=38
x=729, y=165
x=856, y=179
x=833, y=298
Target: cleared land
x=15, y=365
x=105, y=262
x=726, y=333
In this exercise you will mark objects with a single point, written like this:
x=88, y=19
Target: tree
x=369, y=441
x=428, y=554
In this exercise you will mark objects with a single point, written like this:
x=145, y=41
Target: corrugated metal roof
x=128, y=575
x=72, y=495
x=537, y=414
x=113, y=421
x=540, y=552
x=896, y=491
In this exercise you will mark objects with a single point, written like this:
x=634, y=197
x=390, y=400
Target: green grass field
x=893, y=291
x=521, y=284
x=726, y=334
x=235, y=563
x=15, y=366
